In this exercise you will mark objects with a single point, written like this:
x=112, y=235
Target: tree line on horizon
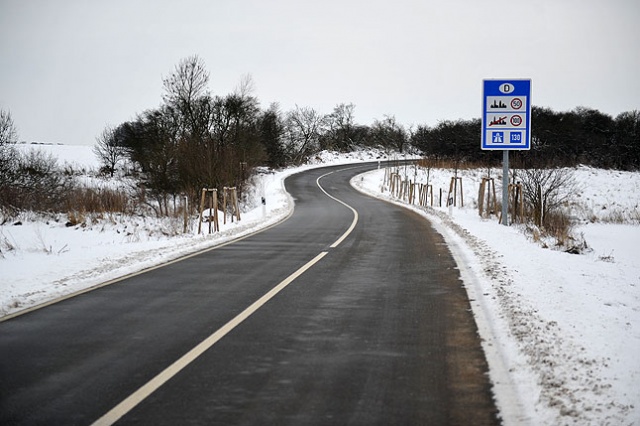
x=195, y=139
x=558, y=139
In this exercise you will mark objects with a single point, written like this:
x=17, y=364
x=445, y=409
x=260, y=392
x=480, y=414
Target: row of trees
x=581, y=136
x=195, y=139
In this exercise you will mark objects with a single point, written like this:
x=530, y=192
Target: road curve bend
x=351, y=312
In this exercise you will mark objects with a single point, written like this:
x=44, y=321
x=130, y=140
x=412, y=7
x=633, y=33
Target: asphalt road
x=350, y=312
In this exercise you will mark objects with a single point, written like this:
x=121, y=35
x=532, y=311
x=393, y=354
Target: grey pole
x=505, y=187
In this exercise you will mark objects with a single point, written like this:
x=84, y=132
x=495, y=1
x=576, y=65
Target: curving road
x=349, y=312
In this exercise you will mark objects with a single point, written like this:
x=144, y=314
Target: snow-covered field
x=561, y=331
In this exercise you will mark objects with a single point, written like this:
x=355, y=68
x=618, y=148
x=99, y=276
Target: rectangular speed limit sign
x=506, y=114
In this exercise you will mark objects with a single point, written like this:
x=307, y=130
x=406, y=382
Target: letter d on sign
x=506, y=88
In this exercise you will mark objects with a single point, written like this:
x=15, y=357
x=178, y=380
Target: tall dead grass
x=99, y=200
x=97, y=203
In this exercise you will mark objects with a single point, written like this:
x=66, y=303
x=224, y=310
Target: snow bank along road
x=349, y=312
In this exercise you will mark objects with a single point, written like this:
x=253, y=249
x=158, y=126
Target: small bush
x=545, y=193
x=38, y=184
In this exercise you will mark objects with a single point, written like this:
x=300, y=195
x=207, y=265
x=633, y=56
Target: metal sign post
x=505, y=187
x=506, y=117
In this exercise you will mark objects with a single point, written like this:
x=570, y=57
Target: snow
x=42, y=259
x=78, y=157
x=561, y=331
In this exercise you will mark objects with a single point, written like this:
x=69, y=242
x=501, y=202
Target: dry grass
x=620, y=217
x=558, y=225
x=81, y=203
x=98, y=200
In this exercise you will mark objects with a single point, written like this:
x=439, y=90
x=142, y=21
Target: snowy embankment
x=561, y=331
x=43, y=259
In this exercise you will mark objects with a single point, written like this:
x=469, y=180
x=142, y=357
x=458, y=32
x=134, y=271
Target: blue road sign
x=506, y=114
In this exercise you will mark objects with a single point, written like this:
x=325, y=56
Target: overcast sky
x=68, y=68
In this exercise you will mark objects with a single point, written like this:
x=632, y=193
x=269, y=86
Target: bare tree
x=8, y=133
x=303, y=129
x=546, y=190
x=109, y=150
x=246, y=87
x=341, y=123
x=185, y=88
x=388, y=133
x=8, y=157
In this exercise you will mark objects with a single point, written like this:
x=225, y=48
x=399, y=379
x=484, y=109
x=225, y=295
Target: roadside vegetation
x=195, y=139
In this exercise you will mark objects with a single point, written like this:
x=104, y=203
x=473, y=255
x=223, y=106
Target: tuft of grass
x=622, y=217
x=76, y=218
x=6, y=245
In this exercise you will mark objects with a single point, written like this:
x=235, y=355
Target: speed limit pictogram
x=516, y=103
x=516, y=120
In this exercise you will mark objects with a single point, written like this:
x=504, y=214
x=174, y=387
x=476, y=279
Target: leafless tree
x=546, y=190
x=341, y=125
x=8, y=133
x=303, y=129
x=8, y=156
x=109, y=150
x=185, y=88
x=246, y=87
x=388, y=133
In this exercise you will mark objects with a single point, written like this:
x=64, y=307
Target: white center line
x=151, y=386
x=142, y=393
x=355, y=213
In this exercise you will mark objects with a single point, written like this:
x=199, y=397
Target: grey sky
x=68, y=68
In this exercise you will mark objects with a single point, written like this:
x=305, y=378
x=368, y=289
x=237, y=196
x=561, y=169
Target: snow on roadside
x=561, y=331
x=565, y=327
x=42, y=259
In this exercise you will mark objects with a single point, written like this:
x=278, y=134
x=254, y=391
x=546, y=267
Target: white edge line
x=147, y=389
x=179, y=258
x=151, y=386
x=506, y=394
